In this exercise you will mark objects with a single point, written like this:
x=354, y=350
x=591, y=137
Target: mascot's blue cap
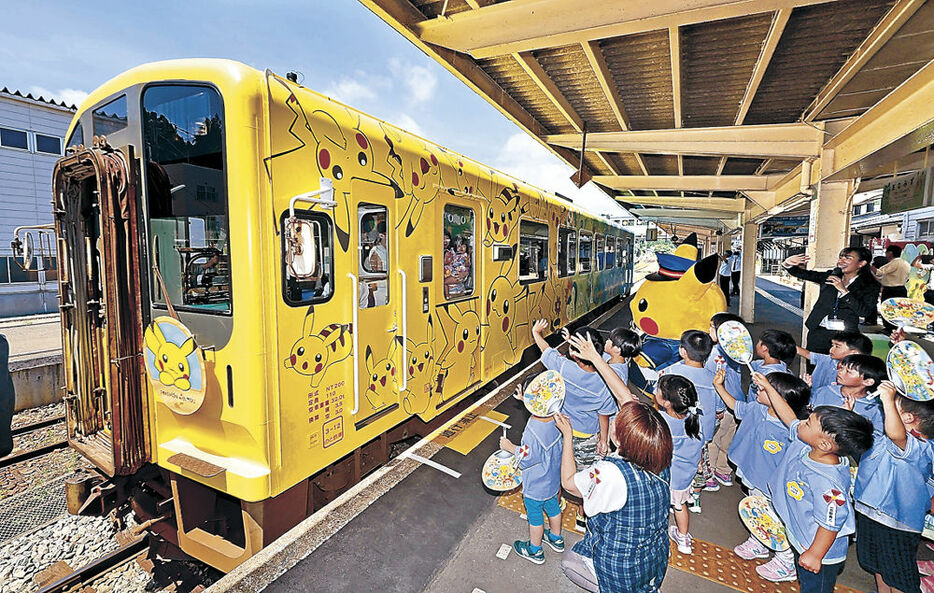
x=672, y=266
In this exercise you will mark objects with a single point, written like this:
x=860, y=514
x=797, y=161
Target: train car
x=261, y=288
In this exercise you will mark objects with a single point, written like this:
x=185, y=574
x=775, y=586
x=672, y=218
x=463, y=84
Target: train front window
x=183, y=137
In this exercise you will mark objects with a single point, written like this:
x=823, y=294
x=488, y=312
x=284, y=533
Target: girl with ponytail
x=676, y=399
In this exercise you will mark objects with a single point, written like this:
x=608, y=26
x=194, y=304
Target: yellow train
x=263, y=288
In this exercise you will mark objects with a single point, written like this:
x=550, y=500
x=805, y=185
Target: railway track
x=38, y=451
x=96, y=569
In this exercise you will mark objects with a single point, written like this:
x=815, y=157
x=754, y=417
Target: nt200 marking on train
x=261, y=289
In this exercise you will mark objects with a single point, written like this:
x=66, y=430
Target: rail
x=36, y=425
x=31, y=454
x=101, y=566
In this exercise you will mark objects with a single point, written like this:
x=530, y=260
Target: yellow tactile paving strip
x=709, y=561
x=473, y=431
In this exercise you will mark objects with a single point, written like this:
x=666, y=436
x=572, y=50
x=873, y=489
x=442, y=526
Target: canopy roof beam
x=735, y=205
x=686, y=213
x=689, y=182
x=525, y=25
x=541, y=78
x=788, y=141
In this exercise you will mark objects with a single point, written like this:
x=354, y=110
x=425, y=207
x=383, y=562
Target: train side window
x=598, y=239
x=586, y=247
x=374, y=255
x=308, y=266
x=458, y=246
x=567, y=252
x=620, y=253
x=610, y=258
x=533, y=251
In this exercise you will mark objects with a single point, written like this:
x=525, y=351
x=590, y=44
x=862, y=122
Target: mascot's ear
x=695, y=280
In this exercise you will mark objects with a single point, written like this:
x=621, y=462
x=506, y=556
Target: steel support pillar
x=828, y=233
x=747, y=277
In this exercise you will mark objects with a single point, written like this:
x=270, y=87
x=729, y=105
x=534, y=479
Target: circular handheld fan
x=760, y=519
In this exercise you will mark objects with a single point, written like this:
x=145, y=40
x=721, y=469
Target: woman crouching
x=626, y=499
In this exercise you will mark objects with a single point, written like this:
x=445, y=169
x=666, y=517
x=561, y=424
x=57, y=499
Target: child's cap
x=545, y=394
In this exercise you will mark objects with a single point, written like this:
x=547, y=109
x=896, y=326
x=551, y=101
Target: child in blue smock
x=842, y=344
x=857, y=377
x=726, y=423
x=676, y=399
x=760, y=444
x=587, y=400
x=620, y=348
x=540, y=461
x=809, y=489
x=892, y=492
x=694, y=350
x=775, y=350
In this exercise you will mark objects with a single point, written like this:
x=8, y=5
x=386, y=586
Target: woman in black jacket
x=847, y=293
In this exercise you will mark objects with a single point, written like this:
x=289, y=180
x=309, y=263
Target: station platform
x=432, y=526
x=415, y=527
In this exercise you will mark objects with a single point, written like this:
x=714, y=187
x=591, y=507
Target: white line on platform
x=496, y=422
x=770, y=297
x=430, y=463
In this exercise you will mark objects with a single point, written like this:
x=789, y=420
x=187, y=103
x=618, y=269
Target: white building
x=32, y=134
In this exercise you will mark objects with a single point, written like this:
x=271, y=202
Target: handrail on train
x=405, y=332
x=327, y=187
x=355, y=332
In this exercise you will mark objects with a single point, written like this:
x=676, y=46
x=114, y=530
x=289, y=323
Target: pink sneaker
x=683, y=542
x=926, y=567
x=927, y=584
x=751, y=549
x=777, y=571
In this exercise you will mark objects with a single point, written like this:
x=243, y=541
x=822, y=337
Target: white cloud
x=524, y=158
x=68, y=96
x=419, y=81
x=405, y=122
x=349, y=91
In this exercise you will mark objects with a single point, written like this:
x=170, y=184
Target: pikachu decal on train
x=682, y=295
x=171, y=360
x=313, y=352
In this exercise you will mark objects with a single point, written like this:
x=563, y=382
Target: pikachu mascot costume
x=682, y=295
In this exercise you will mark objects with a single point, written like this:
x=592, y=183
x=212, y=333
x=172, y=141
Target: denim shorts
x=534, y=509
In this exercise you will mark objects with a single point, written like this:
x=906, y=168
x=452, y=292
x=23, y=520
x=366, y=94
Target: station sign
x=906, y=193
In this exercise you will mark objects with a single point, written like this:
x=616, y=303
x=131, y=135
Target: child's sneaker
x=555, y=541
x=683, y=542
x=712, y=485
x=724, y=479
x=926, y=567
x=751, y=549
x=777, y=570
x=524, y=549
x=694, y=503
x=580, y=523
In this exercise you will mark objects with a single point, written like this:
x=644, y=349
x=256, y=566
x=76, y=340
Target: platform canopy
x=728, y=108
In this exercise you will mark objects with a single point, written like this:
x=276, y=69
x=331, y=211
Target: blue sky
x=66, y=49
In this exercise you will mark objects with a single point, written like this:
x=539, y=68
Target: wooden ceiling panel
x=625, y=163
x=641, y=68
x=700, y=165
x=816, y=43
x=717, y=61
x=570, y=71
x=904, y=54
x=661, y=164
x=742, y=166
x=507, y=73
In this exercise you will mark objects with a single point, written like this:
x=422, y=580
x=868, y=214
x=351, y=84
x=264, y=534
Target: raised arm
x=568, y=467
x=894, y=427
x=537, y=330
x=719, y=381
x=803, y=352
x=795, y=267
x=586, y=351
x=778, y=403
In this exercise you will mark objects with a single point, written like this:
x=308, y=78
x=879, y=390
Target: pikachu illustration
x=171, y=360
x=421, y=369
x=313, y=353
x=381, y=375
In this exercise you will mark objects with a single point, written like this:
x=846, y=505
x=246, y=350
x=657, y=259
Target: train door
x=458, y=311
x=377, y=299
